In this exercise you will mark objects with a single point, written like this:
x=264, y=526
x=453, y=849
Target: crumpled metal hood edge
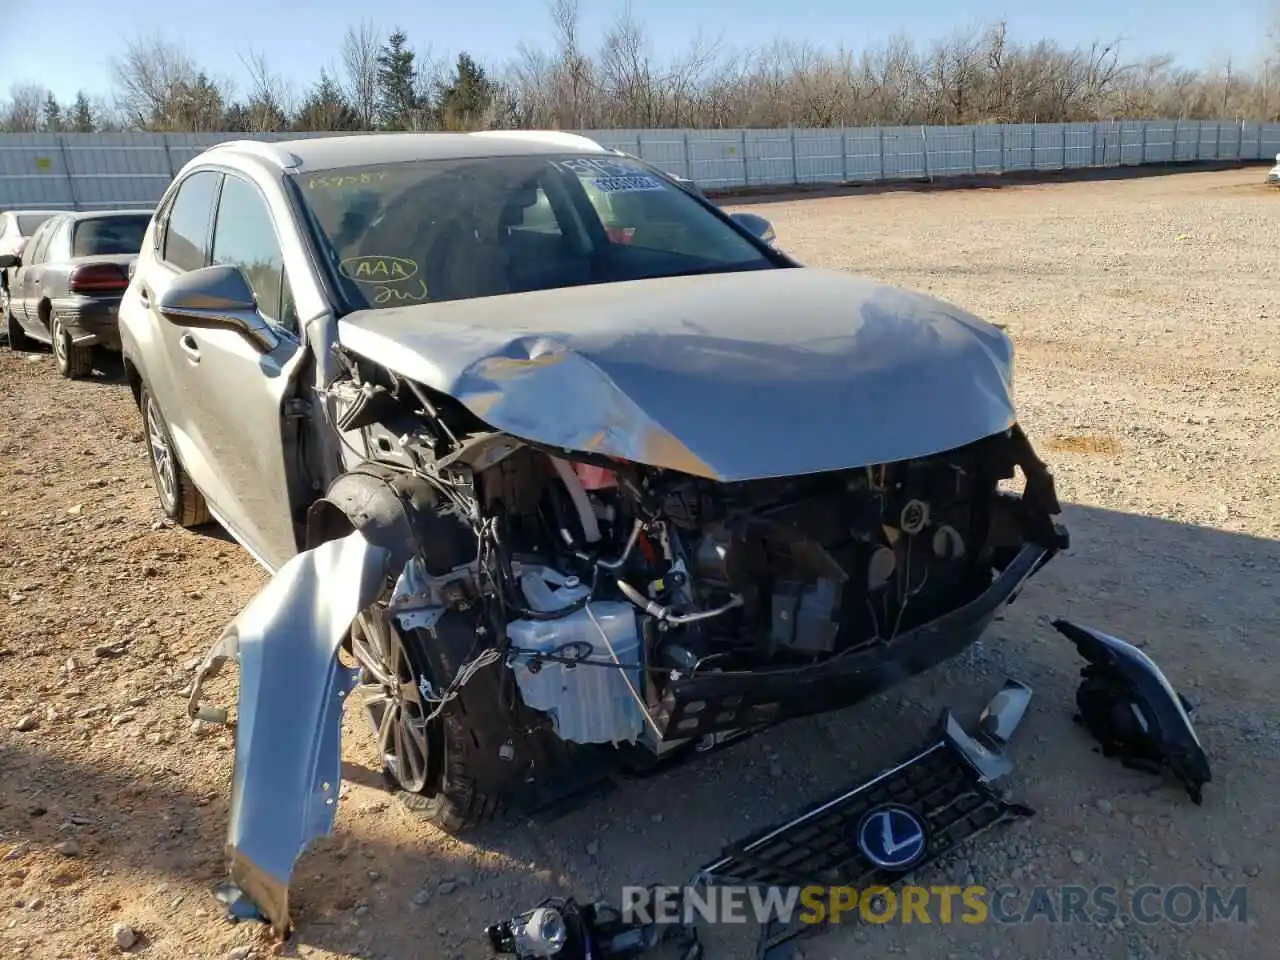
x=729, y=376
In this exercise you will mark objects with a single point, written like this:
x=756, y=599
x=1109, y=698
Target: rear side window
x=59, y=247
x=185, y=238
x=39, y=243
x=108, y=235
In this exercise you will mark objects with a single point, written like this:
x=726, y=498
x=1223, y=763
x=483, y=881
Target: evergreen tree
x=82, y=115
x=326, y=108
x=397, y=74
x=465, y=101
x=52, y=115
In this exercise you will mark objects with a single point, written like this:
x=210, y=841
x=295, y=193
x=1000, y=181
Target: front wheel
x=179, y=498
x=427, y=755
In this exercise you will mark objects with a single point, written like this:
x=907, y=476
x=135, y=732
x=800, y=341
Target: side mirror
x=756, y=225
x=8, y=260
x=218, y=298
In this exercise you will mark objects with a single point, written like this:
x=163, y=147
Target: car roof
x=29, y=213
x=328, y=152
x=99, y=214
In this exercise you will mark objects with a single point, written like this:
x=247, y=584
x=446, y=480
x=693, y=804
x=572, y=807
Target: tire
x=179, y=499
x=18, y=339
x=73, y=362
x=439, y=786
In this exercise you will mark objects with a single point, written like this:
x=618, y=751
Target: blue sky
x=87, y=32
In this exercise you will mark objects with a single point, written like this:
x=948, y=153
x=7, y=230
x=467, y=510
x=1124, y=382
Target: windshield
x=28, y=222
x=104, y=235
x=455, y=229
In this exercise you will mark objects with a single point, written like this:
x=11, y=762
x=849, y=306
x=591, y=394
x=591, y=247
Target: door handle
x=189, y=346
x=144, y=295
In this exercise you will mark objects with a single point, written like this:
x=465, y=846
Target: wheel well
x=134, y=379
x=43, y=310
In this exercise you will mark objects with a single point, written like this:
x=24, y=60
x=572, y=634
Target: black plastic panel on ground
x=820, y=844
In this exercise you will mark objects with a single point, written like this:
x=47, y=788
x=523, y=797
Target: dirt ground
x=1147, y=322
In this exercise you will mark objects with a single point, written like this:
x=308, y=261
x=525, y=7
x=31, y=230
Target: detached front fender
x=292, y=692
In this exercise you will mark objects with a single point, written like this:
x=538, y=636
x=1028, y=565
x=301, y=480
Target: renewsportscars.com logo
x=974, y=904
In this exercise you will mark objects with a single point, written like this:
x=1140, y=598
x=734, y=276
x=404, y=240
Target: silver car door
x=181, y=245
x=235, y=395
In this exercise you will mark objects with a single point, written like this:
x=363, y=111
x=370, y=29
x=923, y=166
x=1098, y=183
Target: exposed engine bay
x=605, y=586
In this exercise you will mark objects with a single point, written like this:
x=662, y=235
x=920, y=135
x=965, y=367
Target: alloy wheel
x=389, y=686
x=161, y=455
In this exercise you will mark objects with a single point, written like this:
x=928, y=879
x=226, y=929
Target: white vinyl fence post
x=880, y=140
x=924, y=138
x=973, y=151
x=746, y=166
x=688, y=165
x=795, y=166
x=844, y=153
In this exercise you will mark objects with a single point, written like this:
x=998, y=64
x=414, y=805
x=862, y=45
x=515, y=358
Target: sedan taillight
x=95, y=278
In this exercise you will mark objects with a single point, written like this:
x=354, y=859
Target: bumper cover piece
x=1129, y=706
x=292, y=693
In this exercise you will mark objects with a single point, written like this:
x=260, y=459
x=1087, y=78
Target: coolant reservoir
x=547, y=590
x=587, y=703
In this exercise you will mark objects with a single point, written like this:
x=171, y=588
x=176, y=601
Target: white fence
x=93, y=171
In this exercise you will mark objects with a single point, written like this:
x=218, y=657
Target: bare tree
x=22, y=112
x=360, y=47
x=271, y=98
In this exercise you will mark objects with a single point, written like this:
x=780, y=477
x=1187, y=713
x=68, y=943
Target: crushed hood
x=729, y=376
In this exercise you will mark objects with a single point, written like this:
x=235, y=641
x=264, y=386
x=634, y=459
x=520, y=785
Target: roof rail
x=557, y=138
x=260, y=148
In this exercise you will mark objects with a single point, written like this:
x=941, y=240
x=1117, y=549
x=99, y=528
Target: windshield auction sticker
x=630, y=184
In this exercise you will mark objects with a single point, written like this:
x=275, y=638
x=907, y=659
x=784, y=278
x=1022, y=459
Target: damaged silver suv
x=564, y=471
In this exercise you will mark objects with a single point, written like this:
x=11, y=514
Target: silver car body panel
x=292, y=692
x=730, y=376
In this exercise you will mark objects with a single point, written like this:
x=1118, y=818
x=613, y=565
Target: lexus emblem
x=892, y=837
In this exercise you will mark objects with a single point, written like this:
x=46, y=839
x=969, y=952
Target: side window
x=244, y=235
x=38, y=244
x=59, y=243
x=184, y=239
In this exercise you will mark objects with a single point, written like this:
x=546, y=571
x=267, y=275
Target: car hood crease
x=730, y=376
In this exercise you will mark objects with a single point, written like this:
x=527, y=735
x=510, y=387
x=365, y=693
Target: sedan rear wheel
x=72, y=361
